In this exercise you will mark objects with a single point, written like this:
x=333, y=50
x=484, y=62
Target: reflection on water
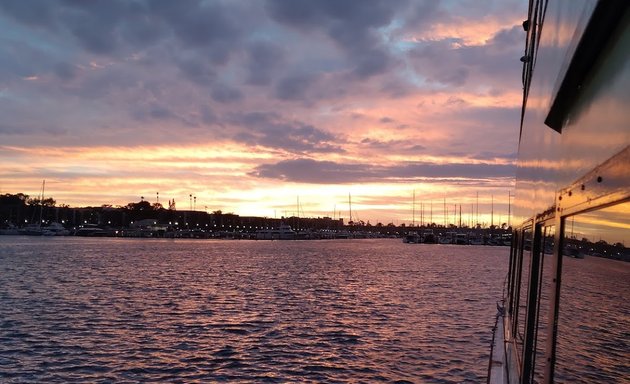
x=593, y=325
x=205, y=311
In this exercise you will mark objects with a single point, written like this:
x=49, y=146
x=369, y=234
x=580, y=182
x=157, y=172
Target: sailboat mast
x=421, y=214
x=41, y=203
x=492, y=211
x=445, y=213
x=477, y=215
x=509, y=208
x=350, y=207
x=413, y=210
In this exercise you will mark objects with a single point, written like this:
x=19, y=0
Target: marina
x=367, y=191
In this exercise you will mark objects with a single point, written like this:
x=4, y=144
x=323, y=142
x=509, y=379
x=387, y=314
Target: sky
x=252, y=106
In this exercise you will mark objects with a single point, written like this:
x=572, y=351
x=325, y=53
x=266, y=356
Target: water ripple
x=112, y=310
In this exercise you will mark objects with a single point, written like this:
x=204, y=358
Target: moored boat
x=284, y=232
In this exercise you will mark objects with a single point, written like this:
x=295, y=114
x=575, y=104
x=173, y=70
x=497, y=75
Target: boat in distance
x=284, y=232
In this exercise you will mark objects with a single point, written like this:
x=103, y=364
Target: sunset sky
x=248, y=105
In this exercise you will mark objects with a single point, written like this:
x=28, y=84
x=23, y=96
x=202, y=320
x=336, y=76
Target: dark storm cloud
x=498, y=116
x=223, y=93
x=65, y=71
x=159, y=112
x=21, y=60
x=25, y=129
x=263, y=59
x=328, y=172
x=352, y=25
x=197, y=70
x=386, y=120
x=199, y=61
x=94, y=24
x=450, y=62
x=349, y=17
x=294, y=87
x=109, y=26
x=35, y=12
x=398, y=146
x=272, y=131
x=424, y=11
x=10, y=129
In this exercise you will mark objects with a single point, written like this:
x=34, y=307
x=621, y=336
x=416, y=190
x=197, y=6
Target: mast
x=413, y=210
x=421, y=214
x=455, y=214
x=445, y=213
x=492, y=212
x=477, y=216
x=41, y=203
x=509, y=207
x=350, y=206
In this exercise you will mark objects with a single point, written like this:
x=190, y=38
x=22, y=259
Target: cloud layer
x=303, y=95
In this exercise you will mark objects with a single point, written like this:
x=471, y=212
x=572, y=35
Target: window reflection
x=593, y=322
x=523, y=287
x=544, y=294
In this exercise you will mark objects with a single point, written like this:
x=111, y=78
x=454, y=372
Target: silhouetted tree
x=49, y=202
x=140, y=206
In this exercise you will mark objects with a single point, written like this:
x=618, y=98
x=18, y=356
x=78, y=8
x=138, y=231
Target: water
x=127, y=310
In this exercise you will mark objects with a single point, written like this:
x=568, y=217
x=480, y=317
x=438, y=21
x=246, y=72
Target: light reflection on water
x=88, y=310
x=594, y=321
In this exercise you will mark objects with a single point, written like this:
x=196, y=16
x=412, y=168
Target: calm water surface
x=127, y=310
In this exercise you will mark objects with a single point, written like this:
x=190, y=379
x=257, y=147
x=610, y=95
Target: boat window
x=542, y=306
x=516, y=251
x=521, y=291
x=593, y=327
